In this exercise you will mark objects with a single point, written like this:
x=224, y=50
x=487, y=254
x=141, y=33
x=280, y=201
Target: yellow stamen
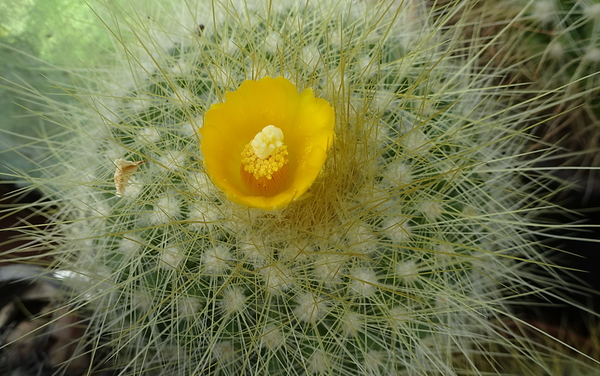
x=263, y=161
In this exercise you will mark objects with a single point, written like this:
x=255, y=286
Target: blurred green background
x=37, y=37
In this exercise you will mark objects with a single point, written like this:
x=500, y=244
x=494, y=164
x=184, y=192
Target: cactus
x=403, y=256
x=552, y=45
x=563, y=35
x=566, y=51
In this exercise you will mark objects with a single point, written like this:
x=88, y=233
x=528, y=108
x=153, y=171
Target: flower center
x=264, y=160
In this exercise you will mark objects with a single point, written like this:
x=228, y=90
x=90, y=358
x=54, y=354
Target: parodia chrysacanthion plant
x=403, y=255
x=553, y=44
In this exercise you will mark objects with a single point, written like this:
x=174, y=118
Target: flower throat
x=264, y=162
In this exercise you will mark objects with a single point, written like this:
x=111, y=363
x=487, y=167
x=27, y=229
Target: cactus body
x=401, y=257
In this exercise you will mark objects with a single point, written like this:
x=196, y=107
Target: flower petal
x=307, y=123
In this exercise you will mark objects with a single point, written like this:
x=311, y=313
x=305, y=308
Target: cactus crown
x=399, y=256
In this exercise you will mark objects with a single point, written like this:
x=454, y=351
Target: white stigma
x=267, y=141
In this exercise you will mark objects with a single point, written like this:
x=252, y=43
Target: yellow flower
x=267, y=143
